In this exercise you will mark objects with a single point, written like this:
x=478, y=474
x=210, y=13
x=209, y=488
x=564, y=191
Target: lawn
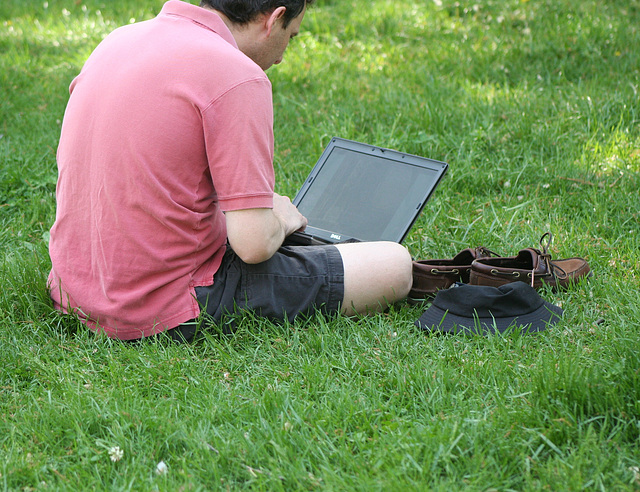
x=534, y=104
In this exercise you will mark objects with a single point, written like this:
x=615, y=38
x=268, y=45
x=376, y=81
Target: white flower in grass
x=115, y=453
x=162, y=468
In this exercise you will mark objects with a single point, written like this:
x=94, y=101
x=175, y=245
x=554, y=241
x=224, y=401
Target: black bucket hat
x=481, y=309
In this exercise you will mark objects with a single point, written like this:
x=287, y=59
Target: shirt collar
x=204, y=17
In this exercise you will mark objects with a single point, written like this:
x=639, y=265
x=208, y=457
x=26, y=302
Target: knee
x=398, y=269
x=376, y=274
x=403, y=279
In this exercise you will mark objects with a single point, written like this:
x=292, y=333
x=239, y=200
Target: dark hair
x=244, y=11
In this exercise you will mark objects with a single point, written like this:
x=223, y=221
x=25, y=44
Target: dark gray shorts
x=296, y=280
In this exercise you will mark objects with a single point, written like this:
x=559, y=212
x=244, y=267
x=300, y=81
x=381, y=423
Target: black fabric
x=481, y=309
x=296, y=280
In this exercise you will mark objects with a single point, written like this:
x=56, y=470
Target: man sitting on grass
x=165, y=196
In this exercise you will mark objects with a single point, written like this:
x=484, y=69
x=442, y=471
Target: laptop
x=360, y=192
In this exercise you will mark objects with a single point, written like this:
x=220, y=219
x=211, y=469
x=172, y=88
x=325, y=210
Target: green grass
x=535, y=106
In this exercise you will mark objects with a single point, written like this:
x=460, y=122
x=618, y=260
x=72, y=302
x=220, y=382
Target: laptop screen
x=366, y=192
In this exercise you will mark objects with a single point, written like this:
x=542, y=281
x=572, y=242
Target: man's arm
x=256, y=234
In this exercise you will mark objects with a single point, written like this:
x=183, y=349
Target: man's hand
x=256, y=234
x=288, y=214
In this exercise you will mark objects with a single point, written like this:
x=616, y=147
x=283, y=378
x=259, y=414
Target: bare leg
x=376, y=274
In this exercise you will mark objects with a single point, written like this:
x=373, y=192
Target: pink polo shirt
x=168, y=125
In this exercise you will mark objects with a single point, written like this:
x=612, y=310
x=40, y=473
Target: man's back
x=146, y=135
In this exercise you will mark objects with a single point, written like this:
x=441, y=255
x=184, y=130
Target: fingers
x=288, y=214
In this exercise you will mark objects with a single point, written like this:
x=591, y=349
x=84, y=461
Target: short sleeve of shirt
x=238, y=127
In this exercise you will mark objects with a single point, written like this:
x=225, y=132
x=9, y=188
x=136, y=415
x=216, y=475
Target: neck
x=247, y=36
x=242, y=33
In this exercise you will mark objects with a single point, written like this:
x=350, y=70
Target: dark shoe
x=531, y=266
x=430, y=276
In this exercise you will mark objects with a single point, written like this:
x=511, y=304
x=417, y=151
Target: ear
x=273, y=18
